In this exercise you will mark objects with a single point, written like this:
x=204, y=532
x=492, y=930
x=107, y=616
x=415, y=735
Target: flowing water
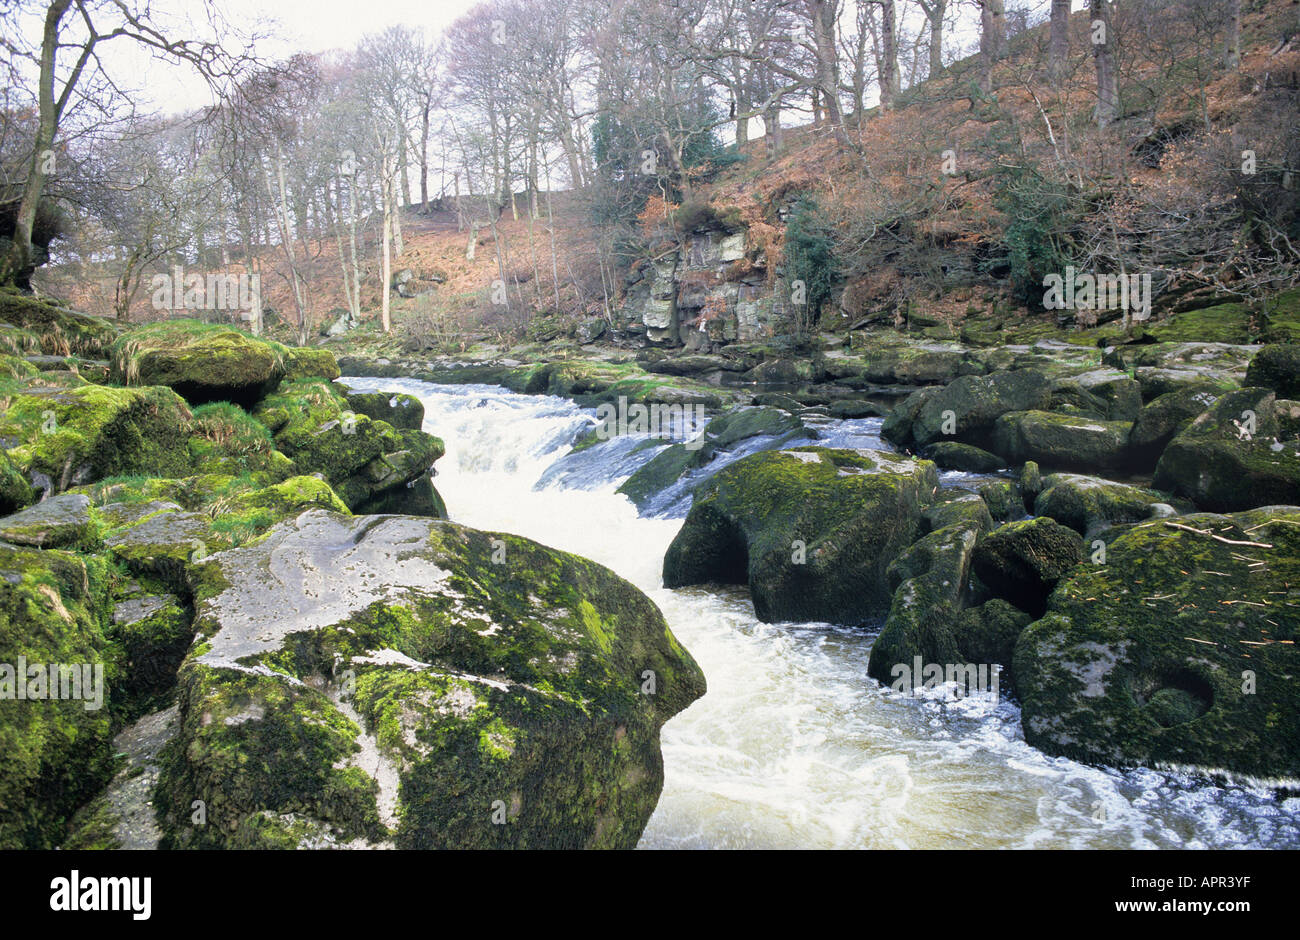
x=794, y=746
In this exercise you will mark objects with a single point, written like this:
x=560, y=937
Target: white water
x=794, y=746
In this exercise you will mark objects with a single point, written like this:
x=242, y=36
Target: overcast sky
x=289, y=25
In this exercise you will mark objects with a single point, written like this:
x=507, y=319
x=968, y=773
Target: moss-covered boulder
x=1003, y=498
x=1276, y=367
x=897, y=427
x=1180, y=650
x=722, y=433
x=362, y=458
x=202, y=362
x=1091, y=504
x=966, y=409
x=929, y=580
x=226, y=439
x=68, y=520
x=1060, y=441
x=950, y=455
x=403, y=681
x=1241, y=453
x=987, y=635
x=1106, y=394
x=1163, y=418
x=306, y=362
x=15, y=490
x=59, y=438
x=57, y=331
x=54, y=736
x=1021, y=561
x=810, y=530
x=404, y=412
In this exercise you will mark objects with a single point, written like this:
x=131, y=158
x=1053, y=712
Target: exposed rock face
x=384, y=680
x=1241, y=453
x=710, y=293
x=1179, y=650
x=811, y=530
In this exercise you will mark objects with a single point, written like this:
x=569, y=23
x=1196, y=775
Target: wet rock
x=384, y=680
x=1022, y=561
x=950, y=455
x=811, y=530
x=1061, y=441
x=1160, y=421
x=1239, y=454
x=1179, y=650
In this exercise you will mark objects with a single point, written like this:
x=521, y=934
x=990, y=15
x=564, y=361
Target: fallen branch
x=1217, y=538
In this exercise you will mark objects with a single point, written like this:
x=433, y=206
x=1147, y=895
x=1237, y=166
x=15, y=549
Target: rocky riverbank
x=192, y=511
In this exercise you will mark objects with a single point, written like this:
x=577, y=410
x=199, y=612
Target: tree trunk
x=935, y=15
x=992, y=38
x=19, y=266
x=1103, y=55
x=1058, y=48
x=1232, y=50
x=889, y=82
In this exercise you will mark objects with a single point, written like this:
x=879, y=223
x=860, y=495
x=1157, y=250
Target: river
x=794, y=746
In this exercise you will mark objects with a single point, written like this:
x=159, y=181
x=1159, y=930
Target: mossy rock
x=955, y=506
x=1021, y=561
x=1180, y=650
x=987, y=634
x=950, y=455
x=1158, y=381
x=154, y=632
x=1276, y=367
x=302, y=362
x=811, y=530
x=400, y=410
x=432, y=698
x=15, y=491
x=68, y=520
x=203, y=362
x=59, y=438
x=966, y=409
x=1090, y=504
x=1164, y=418
x=929, y=580
x=359, y=456
x=1003, y=498
x=1237, y=455
x=1106, y=394
x=1231, y=323
x=59, y=332
x=227, y=440
x=162, y=545
x=57, y=751
x=722, y=433
x=1061, y=441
